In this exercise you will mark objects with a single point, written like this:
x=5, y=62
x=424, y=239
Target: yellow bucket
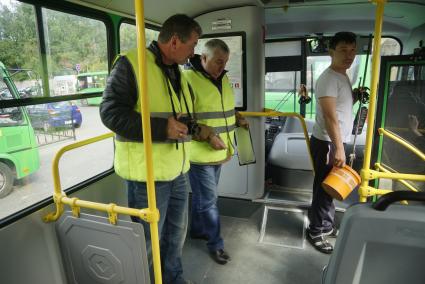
x=340, y=182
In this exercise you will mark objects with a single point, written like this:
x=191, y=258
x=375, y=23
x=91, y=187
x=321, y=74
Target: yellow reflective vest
x=169, y=160
x=214, y=109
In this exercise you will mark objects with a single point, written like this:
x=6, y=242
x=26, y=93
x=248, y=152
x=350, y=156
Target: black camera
x=192, y=125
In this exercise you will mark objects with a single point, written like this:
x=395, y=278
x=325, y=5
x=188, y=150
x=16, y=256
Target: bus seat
x=94, y=251
x=290, y=151
x=377, y=246
x=293, y=125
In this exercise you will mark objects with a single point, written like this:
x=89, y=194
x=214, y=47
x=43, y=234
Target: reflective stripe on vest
x=168, y=161
x=215, y=110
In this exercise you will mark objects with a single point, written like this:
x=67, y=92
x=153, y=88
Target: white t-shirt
x=334, y=84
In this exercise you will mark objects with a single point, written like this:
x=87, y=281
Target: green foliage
x=18, y=41
x=128, y=36
x=70, y=40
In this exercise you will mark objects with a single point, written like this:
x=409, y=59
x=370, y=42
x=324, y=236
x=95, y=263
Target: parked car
x=55, y=115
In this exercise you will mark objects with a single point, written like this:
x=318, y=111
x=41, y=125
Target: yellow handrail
x=364, y=187
x=60, y=197
x=403, y=142
x=147, y=139
x=269, y=112
x=405, y=183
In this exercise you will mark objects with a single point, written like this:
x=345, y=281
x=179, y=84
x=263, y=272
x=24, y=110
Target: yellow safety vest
x=169, y=160
x=214, y=109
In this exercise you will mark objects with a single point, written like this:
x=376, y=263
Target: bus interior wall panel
x=249, y=20
x=30, y=243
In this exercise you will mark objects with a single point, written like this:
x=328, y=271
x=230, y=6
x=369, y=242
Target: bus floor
x=275, y=260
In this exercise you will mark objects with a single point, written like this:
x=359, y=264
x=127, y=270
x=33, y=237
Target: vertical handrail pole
x=147, y=139
x=363, y=190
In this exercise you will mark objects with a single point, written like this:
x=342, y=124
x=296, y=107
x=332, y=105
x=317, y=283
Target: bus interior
x=276, y=46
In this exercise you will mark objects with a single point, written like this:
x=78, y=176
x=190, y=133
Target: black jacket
x=119, y=100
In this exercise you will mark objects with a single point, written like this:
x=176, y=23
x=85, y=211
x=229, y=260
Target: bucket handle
x=385, y=200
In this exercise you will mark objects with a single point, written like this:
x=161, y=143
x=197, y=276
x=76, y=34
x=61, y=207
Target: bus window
x=128, y=36
x=80, y=49
x=42, y=129
x=281, y=91
x=89, y=83
x=283, y=75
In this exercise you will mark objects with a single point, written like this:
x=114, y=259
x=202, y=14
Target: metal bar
x=405, y=183
x=403, y=142
x=147, y=138
x=374, y=87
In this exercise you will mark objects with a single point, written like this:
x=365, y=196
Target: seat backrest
x=95, y=251
x=293, y=125
x=379, y=246
x=289, y=151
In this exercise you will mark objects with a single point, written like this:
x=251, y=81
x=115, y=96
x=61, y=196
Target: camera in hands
x=192, y=125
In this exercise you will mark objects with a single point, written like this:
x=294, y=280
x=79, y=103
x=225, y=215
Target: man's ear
x=174, y=40
x=203, y=58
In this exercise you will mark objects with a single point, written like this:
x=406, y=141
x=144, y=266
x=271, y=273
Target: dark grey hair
x=212, y=45
x=180, y=25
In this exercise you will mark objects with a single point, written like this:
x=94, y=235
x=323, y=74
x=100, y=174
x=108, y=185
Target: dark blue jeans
x=172, y=203
x=205, y=217
x=322, y=211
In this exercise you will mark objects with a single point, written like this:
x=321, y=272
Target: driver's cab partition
x=399, y=142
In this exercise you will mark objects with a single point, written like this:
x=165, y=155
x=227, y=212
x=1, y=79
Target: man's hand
x=216, y=143
x=241, y=121
x=175, y=129
x=414, y=124
x=361, y=94
x=339, y=159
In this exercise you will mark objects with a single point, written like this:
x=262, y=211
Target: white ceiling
x=286, y=18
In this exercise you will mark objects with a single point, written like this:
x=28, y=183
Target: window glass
x=30, y=136
x=281, y=91
x=128, y=36
x=18, y=43
x=12, y=116
x=404, y=115
x=78, y=50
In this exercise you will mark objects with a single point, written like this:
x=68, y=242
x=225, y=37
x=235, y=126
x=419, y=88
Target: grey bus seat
x=380, y=246
x=290, y=151
x=95, y=251
x=293, y=125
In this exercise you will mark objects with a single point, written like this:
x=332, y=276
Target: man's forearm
x=332, y=127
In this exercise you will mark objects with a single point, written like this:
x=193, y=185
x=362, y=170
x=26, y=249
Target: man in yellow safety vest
x=214, y=105
x=171, y=129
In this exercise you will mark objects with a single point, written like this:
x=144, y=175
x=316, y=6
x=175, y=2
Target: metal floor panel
x=95, y=251
x=283, y=227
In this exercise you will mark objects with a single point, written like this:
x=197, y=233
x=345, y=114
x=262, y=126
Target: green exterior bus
x=90, y=83
x=19, y=154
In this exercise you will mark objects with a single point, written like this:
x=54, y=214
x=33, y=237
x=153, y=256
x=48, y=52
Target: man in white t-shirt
x=334, y=121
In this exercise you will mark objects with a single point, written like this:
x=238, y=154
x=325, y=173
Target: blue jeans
x=172, y=203
x=205, y=217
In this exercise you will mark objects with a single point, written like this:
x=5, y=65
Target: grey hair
x=212, y=45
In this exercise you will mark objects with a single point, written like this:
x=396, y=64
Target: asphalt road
x=74, y=167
